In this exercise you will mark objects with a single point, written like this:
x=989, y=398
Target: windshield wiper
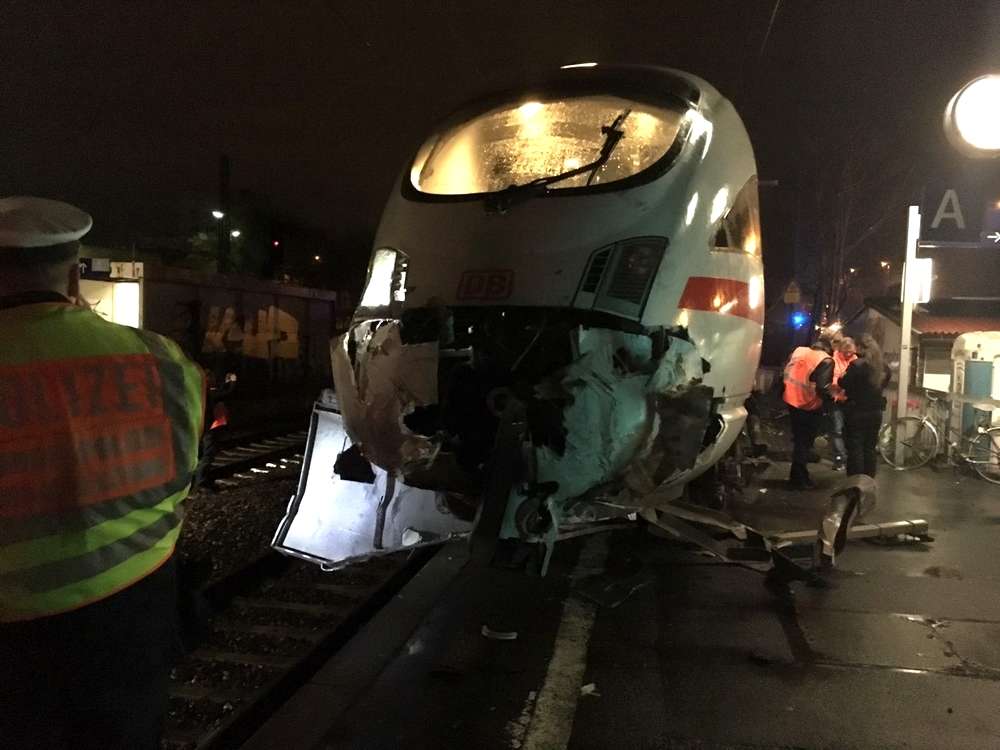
x=612, y=134
x=507, y=197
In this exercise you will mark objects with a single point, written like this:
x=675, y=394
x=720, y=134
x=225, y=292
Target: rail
x=277, y=621
x=254, y=456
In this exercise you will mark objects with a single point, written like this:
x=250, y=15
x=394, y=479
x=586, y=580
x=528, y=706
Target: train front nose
x=423, y=397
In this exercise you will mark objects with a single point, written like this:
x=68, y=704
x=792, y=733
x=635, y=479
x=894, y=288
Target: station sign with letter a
x=964, y=208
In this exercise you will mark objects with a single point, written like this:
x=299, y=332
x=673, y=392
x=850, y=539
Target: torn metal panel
x=606, y=422
x=756, y=551
x=626, y=415
x=634, y=350
x=680, y=366
x=610, y=416
x=850, y=502
x=774, y=553
x=379, y=381
x=916, y=529
x=334, y=521
x=681, y=422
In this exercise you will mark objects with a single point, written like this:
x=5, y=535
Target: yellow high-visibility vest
x=99, y=431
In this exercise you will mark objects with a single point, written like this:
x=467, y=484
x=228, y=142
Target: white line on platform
x=555, y=706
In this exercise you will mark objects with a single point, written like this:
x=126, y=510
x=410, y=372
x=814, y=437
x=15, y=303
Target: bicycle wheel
x=984, y=454
x=919, y=443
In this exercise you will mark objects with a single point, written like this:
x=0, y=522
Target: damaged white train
x=561, y=323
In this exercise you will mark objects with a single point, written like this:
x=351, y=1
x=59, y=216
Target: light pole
x=906, y=324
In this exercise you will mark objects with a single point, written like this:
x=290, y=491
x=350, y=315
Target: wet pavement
x=902, y=651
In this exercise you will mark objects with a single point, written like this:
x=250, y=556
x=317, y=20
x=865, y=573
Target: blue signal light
x=799, y=320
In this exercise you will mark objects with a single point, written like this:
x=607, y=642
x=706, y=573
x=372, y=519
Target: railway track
x=279, y=620
x=251, y=458
x=272, y=621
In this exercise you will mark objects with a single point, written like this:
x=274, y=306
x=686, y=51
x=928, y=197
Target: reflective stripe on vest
x=800, y=391
x=99, y=429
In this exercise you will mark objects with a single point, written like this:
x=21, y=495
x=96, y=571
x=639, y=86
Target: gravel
x=188, y=714
x=222, y=675
x=255, y=643
x=224, y=531
x=306, y=595
x=279, y=617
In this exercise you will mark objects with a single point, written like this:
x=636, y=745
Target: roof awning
x=953, y=325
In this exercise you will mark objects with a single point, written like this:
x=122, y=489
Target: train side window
x=722, y=238
x=739, y=230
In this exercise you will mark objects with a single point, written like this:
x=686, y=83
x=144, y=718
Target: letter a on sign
x=949, y=209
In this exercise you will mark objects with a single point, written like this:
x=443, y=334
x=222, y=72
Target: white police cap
x=40, y=222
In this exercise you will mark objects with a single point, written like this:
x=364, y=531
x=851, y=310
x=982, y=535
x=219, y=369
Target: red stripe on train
x=723, y=296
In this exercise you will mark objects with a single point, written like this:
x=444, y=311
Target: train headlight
x=386, y=281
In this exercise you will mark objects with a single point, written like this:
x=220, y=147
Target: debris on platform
x=853, y=500
x=609, y=592
x=498, y=635
x=590, y=689
x=943, y=571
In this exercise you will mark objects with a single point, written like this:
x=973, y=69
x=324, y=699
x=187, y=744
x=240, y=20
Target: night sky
x=120, y=106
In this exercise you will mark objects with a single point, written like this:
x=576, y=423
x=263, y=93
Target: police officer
x=808, y=380
x=99, y=428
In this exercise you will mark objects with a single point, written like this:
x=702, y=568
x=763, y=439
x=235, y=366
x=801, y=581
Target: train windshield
x=538, y=140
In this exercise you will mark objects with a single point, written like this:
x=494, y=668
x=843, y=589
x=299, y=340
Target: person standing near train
x=99, y=429
x=844, y=352
x=863, y=383
x=808, y=380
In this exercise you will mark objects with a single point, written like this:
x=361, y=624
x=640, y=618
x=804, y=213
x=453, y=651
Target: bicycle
x=921, y=442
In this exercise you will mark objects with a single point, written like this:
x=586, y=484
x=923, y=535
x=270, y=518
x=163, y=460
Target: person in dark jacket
x=863, y=382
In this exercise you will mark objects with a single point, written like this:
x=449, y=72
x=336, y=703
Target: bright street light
x=972, y=117
x=218, y=214
x=884, y=264
x=235, y=233
x=317, y=258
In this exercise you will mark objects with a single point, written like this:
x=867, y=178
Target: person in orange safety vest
x=808, y=381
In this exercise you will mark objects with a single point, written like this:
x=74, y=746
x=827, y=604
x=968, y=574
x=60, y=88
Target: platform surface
x=903, y=651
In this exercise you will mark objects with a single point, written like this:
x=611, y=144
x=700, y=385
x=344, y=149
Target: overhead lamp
x=972, y=117
x=218, y=214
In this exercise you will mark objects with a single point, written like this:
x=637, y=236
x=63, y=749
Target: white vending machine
x=113, y=289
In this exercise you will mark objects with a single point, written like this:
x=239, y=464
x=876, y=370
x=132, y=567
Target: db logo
x=485, y=285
